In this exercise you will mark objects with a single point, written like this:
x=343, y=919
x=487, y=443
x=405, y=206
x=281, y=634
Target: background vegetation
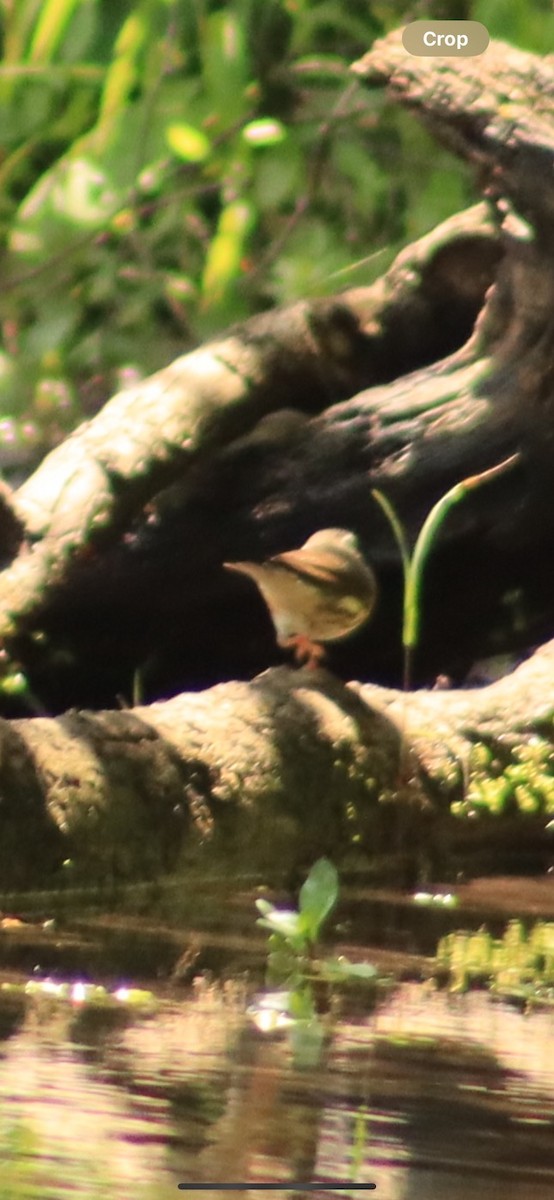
x=170, y=166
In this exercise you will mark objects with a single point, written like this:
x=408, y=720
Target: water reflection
x=65, y=1130
x=433, y=1095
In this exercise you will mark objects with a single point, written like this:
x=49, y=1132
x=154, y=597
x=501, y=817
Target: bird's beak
x=243, y=568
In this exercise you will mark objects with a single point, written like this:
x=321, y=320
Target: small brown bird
x=319, y=593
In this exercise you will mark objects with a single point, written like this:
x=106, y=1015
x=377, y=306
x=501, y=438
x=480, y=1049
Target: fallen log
x=262, y=777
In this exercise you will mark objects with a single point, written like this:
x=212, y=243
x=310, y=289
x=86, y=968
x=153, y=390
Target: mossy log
x=265, y=776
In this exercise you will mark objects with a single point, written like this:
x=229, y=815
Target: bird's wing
x=317, y=567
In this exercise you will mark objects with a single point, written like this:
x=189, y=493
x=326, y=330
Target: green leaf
x=318, y=895
x=75, y=194
x=188, y=143
x=340, y=970
x=284, y=922
x=279, y=175
x=529, y=26
x=52, y=22
x=283, y=968
x=314, y=250
x=301, y=1003
x=78, y=43
x=426, y=539
x=223, y=261
x=266, y=131
x=307, y=1040
x=225, y=66
x=307, y=1034
x=15, y=683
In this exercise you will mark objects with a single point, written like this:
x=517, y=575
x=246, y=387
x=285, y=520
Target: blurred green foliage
x=504, y=781
x=519, y=966
x=170, y=166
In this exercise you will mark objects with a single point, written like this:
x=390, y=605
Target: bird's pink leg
x=305, y=651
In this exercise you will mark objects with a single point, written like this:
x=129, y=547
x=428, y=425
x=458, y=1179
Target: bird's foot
x=307, y=653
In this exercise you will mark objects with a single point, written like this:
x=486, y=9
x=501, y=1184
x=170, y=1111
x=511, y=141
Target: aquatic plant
x=504, y=778
x=519, y=966
x=294, y=965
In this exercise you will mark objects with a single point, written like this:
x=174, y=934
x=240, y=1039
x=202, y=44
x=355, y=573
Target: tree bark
x=266, y=776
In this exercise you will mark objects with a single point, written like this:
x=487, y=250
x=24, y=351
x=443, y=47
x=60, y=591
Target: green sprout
x=413, y=562
x=293, y=964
